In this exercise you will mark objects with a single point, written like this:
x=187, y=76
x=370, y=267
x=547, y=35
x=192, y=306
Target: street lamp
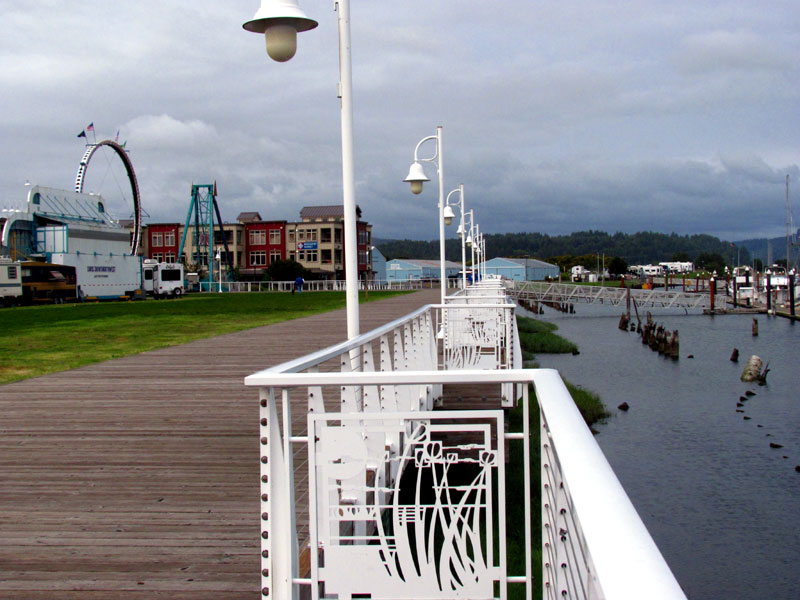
x=416, y=177
x=279, y=21
x=460, y=203
x=467, y=234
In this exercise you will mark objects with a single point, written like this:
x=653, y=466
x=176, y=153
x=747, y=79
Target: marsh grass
x=37, y=340
x=538, y=337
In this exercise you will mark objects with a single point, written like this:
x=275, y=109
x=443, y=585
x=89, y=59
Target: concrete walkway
x=138, y=477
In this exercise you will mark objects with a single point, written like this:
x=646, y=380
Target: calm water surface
x=723, y=507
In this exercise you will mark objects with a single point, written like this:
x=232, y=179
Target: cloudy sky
x=558, y=116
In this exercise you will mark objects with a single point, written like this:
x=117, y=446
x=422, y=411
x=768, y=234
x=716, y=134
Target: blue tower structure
x=203, y=207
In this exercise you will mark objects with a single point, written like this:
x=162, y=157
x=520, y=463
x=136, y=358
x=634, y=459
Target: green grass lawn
x=37, y=340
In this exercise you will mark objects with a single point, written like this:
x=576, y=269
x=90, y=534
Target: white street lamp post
x=460, y=203
x=416, y=177
x=219, y=268
x=280, y=21
x=476, y=246
x=469, y=240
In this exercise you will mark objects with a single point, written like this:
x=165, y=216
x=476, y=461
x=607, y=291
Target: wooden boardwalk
x=138, y=477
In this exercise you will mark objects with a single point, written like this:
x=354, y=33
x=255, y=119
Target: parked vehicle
x=10, y=281
x=48, y=282
x=160, y=279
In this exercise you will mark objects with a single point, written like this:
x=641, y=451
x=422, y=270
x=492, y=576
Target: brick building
x=316, y=242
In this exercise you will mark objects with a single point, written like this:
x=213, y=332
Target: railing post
x=279, y=550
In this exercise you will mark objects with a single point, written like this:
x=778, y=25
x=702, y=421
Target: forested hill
x=637, y=248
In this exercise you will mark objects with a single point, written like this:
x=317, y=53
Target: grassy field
x=44, y=339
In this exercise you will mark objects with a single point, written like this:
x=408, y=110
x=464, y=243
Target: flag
x=82, y=134
x=123, y=143
x=116, y=137
x=90, y=127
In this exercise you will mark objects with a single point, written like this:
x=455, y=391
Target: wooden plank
x=138, y=477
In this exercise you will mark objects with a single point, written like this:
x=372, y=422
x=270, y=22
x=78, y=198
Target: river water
x=721, y=504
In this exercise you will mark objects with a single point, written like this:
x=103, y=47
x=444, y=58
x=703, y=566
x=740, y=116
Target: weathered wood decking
x=138, y=477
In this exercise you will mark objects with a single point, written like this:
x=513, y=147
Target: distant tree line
x=645, y=247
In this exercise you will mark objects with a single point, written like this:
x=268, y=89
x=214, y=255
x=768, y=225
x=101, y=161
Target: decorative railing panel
x=430, y=538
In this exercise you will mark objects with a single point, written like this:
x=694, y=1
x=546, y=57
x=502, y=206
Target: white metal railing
x=325, y=285
x=594, y=543
x=534, y=291
x=384, y=518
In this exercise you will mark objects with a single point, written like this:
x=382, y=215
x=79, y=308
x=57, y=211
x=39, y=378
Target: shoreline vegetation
x=38, y=340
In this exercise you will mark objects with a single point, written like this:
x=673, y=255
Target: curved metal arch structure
x=137, y=206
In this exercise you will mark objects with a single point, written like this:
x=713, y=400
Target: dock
x=138, y=477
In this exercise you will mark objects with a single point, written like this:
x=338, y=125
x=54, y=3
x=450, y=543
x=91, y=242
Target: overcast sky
x=558, y=116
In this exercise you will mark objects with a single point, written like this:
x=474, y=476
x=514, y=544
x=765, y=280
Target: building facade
x=378, y=261
x=316, y=242
x=406, y=269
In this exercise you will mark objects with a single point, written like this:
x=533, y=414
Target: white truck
x=162, y=279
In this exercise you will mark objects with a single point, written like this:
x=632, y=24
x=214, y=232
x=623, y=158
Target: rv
x=10, y=281
x=162, y=279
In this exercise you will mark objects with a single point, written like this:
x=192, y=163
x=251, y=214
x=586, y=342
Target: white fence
x=322, y=285
x=386, y=516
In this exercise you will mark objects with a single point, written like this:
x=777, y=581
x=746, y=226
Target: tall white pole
x=475, y=254
x=348, y=171
x=443, y=274
x=463, y=243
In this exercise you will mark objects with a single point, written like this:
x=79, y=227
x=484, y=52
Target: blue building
x=404, y=270
x=521, y=269
x=378, y=265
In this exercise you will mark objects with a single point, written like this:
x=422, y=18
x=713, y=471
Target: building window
x=311, y=256
x=311, y=235
x=158, y=256
x=337, y=236
x=326, y=257
x=301, y=235
x=291, y=235
x=259, y=258
x=325, y=235
x=362, y=257
x=157, y=239
x=169, y=257
x=274, y=236
x=169, y=238
x=258, y=237
x=362, y=236
x=274, y=256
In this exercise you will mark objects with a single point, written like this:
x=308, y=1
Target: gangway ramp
x=565, y=293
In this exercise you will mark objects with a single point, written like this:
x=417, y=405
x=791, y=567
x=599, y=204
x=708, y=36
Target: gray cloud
x=601, y=115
